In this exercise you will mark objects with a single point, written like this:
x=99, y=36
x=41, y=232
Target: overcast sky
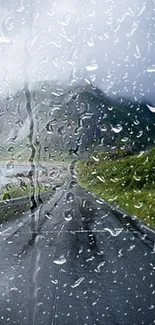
x=108, y=42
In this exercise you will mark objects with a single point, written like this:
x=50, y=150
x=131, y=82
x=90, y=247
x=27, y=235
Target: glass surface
x=77, y=162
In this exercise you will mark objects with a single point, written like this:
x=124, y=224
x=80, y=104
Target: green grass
x=15, y=191
x=122, y=179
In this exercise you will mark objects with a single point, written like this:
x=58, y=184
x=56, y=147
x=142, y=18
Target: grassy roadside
x=15, y=190
x=122, y=179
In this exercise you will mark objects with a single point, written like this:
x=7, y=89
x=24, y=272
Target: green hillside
x=122, y=178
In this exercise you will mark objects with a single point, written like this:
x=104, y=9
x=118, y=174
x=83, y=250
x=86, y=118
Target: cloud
x=108, y=42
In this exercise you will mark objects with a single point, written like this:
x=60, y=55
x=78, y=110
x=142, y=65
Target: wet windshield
x=77, y=162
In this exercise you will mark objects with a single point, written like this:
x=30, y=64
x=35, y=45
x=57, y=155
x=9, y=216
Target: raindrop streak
x=60, y=261
x=77, y=283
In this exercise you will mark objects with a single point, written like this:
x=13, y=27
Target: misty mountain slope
x=75, y=119
x=89, y=118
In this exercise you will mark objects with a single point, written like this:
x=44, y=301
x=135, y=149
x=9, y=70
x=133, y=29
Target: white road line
x=2, y=232
x=148, y=228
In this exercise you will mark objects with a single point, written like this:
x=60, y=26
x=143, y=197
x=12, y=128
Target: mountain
x=73, y=120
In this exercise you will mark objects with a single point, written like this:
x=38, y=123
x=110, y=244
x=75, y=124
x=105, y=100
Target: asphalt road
x=76, y=261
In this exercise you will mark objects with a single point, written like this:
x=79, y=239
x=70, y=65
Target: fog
x=110, y=43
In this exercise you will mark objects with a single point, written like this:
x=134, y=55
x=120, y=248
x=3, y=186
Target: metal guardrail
x=11, y=208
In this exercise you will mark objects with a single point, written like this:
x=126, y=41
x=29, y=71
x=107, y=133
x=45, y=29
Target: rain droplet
x=6, y=196
x=103, y=128
x=91, y=67
x=9, y=23
x=117, y=128
x=69, y=197
x=84, y=203
x=95, y=158
x=77, y=283
x=72, y=184
x=4, y=39
x=115, y=232
x=101, y=179
x=61, y=130
x=150, y=70
x=10, y=149
x=49, y=128
x=1, y=148
x=100, y=201
x=48, y=215
x=20, y=9
x=99, y=267
x=68, y=215
x=138, y=206
x=91, y=42
x=140, y=134
x=60, y=260
x=133, y=29
x=151, y=108
x=9, y=165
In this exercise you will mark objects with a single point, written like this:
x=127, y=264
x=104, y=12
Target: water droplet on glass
x=84, y=203
x=99, y=267
x=1, y=148
x=100, y=201
x=60, y=261
x=6, y=196
x=20, y=9
x=91, y=42
x=95, y=158
x=114, y=232
x=72, y=184
x=68, y=215
x=10, y=149
x=117, y=128
x=91, y=67
x=69, y=197
x=49, y=128
x=9, y=23
x=77, y=283
x=138, y=206
x=9, y=165
x=4, y=39
x=48, y=215
x=133, y=29
x=151, y=108
x=103, y=128
x=61, y=130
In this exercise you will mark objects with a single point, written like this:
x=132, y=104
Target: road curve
x=84, y=264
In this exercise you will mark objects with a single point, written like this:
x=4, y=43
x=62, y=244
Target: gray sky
x=108, y=42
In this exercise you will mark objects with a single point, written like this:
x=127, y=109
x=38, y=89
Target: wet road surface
x=76, y=261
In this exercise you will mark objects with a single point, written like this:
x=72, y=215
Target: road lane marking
x=148, y=229
x=4, y=231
